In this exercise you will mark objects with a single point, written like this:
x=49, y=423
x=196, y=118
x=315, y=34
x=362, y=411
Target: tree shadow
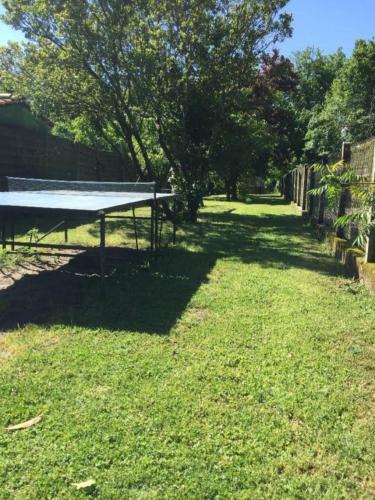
x=253, y=199
x=280, y=241
x=149, y=296
x=141, y=295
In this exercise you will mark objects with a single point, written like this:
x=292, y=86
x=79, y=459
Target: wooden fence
x=28, y=153
x=297, y=184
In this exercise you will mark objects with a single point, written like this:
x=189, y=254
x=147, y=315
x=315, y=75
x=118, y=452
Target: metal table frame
x=9, y=214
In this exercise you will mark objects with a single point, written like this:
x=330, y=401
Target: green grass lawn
x=238, y=364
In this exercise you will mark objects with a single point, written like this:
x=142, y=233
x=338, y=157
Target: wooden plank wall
x=28, y=153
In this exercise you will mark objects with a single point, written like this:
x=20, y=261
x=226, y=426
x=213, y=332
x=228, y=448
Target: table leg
x=174, y=222
x=156, y=226
x=12, y=231
x=102, y=247
x=3, y=234
x=152, y=232
x=160, y=230
x=135, y=229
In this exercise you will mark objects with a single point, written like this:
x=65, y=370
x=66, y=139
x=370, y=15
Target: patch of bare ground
x=37, y=290
x=41, y=290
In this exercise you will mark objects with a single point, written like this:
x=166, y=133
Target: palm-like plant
x=338, y=179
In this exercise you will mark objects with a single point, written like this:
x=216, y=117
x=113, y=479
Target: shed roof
x=16, y=116
x=7, y=98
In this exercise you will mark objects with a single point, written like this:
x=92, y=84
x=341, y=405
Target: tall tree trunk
x=234, y=193
x=142, y=147
x=227, y=189
x=126, y=133
x=175, y=165
x=193, y=207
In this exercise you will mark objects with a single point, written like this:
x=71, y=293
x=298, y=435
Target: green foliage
x=236, y=148
x=7, y=259
x=339, y=179
x=33, y=234
x=347, y=112
x=158, y=81
x=316, y=73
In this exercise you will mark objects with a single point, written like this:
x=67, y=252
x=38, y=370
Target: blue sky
x=329, y=24
x=325, y=24
x=7, y=33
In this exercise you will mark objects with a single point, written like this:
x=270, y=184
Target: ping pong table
x=72, y=199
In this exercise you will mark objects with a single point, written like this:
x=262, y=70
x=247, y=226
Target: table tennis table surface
x=77, y=201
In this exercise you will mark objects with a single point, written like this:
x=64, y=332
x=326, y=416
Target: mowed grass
x=239, y=364
x=82, y=230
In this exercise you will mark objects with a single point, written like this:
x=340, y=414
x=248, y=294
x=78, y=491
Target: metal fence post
x=345, y=157
x=300, y=186
x=322, y=197
x=285, y=187
x=292, y=184
x=305, y=195
x=311, y=197
x=370, y=246
x=346, y=152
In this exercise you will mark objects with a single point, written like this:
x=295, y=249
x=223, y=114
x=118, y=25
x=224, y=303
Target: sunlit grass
x=238, y=364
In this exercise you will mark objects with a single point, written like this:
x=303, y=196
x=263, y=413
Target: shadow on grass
x=278, y=241
x=257, y=199
x=151, y=297
x=140, y=295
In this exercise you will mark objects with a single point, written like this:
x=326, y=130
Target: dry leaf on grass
x=24, y=425
x=84, y=484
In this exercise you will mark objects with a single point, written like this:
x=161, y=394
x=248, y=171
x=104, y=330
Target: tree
x=146, y=75
x=316, y=73
x=236, y=148
x=274, y=92
x=348, y=112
